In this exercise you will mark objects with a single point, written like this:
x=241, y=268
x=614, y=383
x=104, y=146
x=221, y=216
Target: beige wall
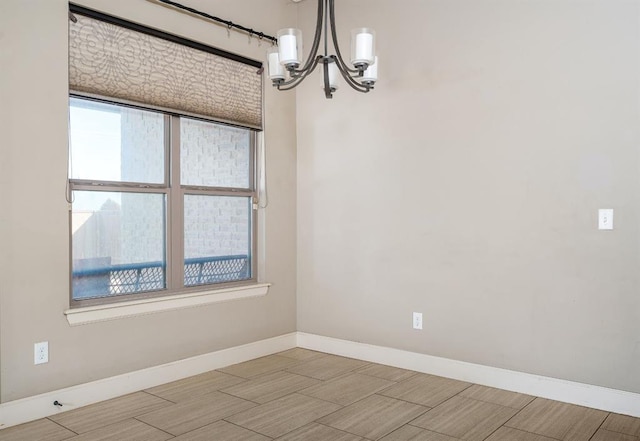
x=466, y=187
x=34, y=214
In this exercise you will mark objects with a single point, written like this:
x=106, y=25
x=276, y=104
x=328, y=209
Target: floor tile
x=328, y=366
x=271, y=386
x=41, y=430
x=412, y=433
x=557, y=420
x=497, y=396
x=301, y=354
x=191, y=387
x=319, y=432
x=198, y=412
x=386, y=372
x=509, y=434
x=465, y=418
x=373, y=417
x=347, y=389
x=259, y=366
x=622, y=424
x=404, y=433
x=606, y=435
x=105, y=413
x=221, y=431
x=427, y=390
x=127, y=430
x=284, y=415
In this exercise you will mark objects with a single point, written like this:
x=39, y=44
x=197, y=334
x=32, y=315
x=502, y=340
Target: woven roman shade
x=126, y=65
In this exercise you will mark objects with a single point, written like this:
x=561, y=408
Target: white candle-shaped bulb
x=363, y=46
x=276, y=70
x=290, y=46
x=333, y=76
x=370, y=75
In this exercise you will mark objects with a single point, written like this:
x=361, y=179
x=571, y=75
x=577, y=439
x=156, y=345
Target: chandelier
x=286, y=69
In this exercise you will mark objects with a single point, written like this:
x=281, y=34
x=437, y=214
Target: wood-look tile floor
x=302, y=395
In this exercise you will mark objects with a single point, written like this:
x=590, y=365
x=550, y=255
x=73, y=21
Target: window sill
x=112, y=311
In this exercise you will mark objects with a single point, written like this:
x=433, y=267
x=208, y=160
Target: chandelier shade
x=290, y=47
x=287, y=68
x=363, y=46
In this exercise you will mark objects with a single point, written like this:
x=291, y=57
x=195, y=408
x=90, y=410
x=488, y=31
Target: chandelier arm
x=288, y=85
x=334, y=36
x=357, y=86
x=343, y=66
x=326, y=85
x=316, y=42
x=353, y=83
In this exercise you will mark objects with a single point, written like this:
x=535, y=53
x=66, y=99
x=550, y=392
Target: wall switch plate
x=605, y=219
x=417, y=320
x=41, y=352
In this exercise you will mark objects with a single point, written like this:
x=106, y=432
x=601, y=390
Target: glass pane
x=118, y=243
x=115, y=143
x=217, y=239
x=214, y=155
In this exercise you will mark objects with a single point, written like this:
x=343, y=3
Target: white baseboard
x=40, y=406
x=610, y=400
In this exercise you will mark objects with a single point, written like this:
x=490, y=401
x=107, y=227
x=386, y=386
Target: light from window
x=115, y=143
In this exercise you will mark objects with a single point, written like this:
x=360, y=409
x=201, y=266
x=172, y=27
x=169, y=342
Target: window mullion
x=218, y=192
x=176, y=211
x=118, y=188
x=116, y=185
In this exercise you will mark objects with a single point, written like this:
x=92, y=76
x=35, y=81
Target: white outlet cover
x=417, y=320
x=605, y=219
x=41, y=352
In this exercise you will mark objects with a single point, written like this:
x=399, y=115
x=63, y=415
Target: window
x=161, y=203
x=162, y=162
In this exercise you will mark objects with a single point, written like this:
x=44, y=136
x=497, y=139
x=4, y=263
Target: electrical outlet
x=605, y=219
x=417, y=320
x=41, y=352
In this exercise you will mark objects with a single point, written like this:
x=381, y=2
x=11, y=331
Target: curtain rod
x=73, y=8
x=227, y=23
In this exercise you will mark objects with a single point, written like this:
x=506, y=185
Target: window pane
x=118, y=243
x=217, y=239
x=115, y=143
x=214, y=155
